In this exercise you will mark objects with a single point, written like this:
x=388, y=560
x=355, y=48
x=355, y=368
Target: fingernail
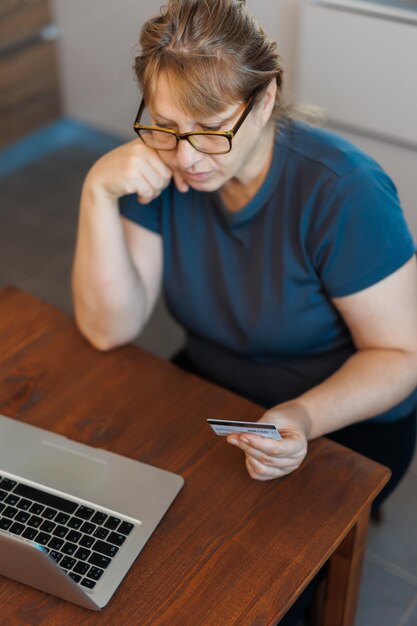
x=244, y=440
x=233, y=441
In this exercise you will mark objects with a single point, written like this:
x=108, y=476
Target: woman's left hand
x=268, y=458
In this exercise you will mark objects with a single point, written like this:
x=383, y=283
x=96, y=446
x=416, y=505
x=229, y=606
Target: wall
x=97, y=42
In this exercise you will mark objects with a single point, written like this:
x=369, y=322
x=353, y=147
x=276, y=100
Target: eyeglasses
x=207, y=141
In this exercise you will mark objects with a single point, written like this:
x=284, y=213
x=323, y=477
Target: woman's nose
x=187, y=156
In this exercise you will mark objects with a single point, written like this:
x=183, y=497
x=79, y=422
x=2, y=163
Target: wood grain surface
x=29, y=90
x=230, y=550
x=19, y=19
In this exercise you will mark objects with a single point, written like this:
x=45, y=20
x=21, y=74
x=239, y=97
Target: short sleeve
x=146, y=215
x=360, y=235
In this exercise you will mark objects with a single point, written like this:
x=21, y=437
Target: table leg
x=336, y=599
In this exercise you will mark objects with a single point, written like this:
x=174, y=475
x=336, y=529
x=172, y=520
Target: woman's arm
x=117, y=266
x=383, y=323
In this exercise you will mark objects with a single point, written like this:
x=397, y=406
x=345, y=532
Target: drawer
x=361, y=70
x=19, y=19
x=28, y=90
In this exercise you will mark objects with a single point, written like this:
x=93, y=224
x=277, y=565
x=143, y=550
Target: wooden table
x=230, y=550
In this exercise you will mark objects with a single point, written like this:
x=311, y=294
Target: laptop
x=73, y=518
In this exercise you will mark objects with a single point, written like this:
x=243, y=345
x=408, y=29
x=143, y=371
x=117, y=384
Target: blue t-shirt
x=253, y=288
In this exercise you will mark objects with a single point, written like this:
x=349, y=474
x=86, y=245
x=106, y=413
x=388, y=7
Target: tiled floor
x=392, y=559
x=38, y=213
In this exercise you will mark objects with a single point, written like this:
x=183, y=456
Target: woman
x=282, y=249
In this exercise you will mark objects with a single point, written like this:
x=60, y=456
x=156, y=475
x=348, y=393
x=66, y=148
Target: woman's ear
x=267, y=102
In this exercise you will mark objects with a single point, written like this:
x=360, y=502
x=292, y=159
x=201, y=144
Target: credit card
x=229, y=427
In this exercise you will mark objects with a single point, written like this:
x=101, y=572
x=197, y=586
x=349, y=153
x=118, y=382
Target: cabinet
x=29, y=86
x=357, y=64
x=360, y=67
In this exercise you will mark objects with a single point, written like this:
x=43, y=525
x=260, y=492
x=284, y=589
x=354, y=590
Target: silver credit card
x=230, y=427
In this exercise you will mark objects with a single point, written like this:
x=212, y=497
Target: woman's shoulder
x=322, y=151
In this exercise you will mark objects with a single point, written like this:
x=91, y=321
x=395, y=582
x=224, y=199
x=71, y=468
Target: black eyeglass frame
x=228, y=134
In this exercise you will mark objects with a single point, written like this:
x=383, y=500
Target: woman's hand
x=132, y=168
x=267, y=458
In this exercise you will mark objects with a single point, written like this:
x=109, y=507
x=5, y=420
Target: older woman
x=281, y=248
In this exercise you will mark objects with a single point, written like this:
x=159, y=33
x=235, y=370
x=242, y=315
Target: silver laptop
x=74, y=518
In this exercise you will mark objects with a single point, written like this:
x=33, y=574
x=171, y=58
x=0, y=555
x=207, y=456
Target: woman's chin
x=209, y=183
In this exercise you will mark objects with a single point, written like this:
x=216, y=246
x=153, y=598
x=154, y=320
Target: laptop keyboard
x=82, y=540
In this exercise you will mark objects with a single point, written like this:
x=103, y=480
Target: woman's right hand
x=132, y=168
x=118, y=264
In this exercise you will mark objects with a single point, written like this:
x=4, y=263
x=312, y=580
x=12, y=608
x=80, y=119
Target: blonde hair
x=213, y=53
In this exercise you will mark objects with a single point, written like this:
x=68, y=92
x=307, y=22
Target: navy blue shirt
x=253, y=288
